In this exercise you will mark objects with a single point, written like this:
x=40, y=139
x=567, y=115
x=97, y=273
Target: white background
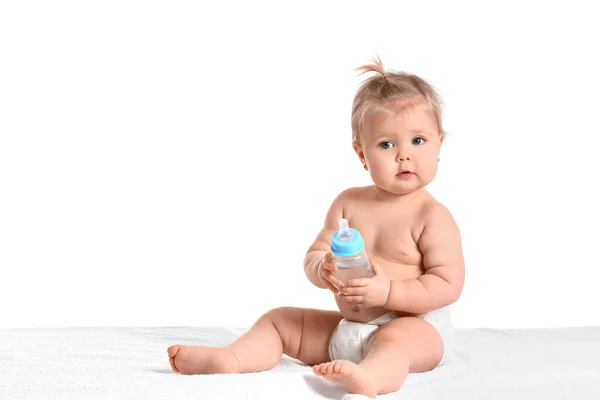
x=169, y=163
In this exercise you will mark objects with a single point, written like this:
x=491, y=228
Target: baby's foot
x=347, y=374
x=190, y=360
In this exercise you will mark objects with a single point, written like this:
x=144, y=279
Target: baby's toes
x=321, y=368
x=330, y=367
x=173, y=366
x=173, y=350
x=337, y=365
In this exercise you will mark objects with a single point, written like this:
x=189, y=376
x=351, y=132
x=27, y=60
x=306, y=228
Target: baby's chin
x=401, y=186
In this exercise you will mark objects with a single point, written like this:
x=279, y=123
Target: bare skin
x=415, y=251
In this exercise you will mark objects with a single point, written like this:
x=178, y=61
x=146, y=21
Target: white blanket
x=132, y=363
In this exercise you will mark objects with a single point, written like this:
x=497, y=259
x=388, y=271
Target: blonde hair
x=391, y=90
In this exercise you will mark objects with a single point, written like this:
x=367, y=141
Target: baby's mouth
x=404, y=174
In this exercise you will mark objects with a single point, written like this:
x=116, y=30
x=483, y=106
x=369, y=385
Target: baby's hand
x=325, y=273
x=370, y=292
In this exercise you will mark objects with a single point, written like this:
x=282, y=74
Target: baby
x=396, y=322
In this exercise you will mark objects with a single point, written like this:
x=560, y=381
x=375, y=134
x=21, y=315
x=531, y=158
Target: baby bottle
x=349, y=254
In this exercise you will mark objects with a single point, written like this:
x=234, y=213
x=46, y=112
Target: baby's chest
x=396, y=246
x=392, y=240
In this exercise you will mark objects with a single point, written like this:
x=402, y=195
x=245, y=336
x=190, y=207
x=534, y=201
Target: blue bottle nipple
x=346, y=241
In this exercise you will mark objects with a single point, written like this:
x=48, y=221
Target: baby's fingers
x=330, y=286
x=332, y=279
x=353, y=290
x=353, y=299
x=358, y=282
x=328, y=263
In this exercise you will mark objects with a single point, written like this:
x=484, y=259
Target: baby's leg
x=300, y=333
x=403, y=345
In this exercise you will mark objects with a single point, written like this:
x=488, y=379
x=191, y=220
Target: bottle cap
x=346, y=241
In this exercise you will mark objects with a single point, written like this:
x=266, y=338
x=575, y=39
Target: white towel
x=132, y=363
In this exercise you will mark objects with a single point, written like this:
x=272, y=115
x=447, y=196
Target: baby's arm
x=444, y=276
x=321, y=244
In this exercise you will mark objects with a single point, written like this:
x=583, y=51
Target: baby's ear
x=360, y=153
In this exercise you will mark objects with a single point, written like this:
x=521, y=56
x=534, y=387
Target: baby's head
x=397, y=127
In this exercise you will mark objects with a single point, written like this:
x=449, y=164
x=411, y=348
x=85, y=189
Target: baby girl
x=397, y=321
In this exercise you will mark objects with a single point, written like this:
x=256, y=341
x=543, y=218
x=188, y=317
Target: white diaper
x=350, y=338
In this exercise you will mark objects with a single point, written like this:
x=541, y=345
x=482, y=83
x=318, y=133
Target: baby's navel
x=356, y=309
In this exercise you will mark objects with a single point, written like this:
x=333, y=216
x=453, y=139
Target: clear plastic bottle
x=349, y=254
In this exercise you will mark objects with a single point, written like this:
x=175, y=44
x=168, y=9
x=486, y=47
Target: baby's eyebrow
x=412, y=131
x=422, y=132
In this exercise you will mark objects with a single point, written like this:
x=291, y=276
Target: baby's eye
x=422, y=140
x=386, y=145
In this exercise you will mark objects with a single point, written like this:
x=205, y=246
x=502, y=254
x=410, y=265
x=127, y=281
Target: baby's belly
x=358, y=312
x=393, y=271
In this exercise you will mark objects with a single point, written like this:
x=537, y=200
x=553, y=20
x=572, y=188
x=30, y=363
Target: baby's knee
x=281, y=316
x=279, y=312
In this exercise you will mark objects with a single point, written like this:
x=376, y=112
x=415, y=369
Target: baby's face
x=394, y=142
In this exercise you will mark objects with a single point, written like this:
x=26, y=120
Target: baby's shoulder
x=355, y=194
x=431, y=210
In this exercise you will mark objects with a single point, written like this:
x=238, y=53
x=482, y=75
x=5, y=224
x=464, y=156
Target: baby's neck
x=387, y=197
